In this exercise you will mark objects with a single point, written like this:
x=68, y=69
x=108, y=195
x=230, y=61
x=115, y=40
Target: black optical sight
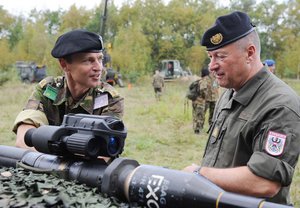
x=80, y=135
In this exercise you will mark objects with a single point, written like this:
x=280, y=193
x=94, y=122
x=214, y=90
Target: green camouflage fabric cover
x=51, y=100
x=20, y=188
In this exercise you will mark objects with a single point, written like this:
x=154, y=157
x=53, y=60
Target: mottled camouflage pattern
x=208, y=94
x=212, y=88
x=158, y=81
x=64, y=104
x=19, y=188
x=198, y=116
x=158, y=84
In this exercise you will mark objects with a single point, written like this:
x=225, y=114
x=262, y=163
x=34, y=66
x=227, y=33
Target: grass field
x=159, y=133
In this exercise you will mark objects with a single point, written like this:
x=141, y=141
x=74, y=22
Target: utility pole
x=103, y=20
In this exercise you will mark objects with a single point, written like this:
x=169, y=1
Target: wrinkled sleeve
x=33, y=112
x=115, y=107
x=275, y=157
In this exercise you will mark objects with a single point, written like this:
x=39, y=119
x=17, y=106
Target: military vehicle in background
x=172, y=69
x=113, y=77
x=30, y=72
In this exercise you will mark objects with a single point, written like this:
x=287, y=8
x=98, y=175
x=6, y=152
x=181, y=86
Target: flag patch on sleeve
x=275, y=143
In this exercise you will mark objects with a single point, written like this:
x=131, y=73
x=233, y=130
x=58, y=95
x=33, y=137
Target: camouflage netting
x=19, y=188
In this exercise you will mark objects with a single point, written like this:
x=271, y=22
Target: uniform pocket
x=216, y=136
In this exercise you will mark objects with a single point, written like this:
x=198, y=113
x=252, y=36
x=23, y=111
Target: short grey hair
x=253, y=38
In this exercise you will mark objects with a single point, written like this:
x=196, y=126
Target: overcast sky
x=25, y=6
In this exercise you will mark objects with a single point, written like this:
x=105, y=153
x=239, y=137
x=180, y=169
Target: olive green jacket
x=259, y=128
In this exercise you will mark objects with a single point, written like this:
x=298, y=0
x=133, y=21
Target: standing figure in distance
x=270, y=64
x=170, y=68
x=79, y=90
x=158, y=84
x=253, y=144
x=206, y=98
x=211, y=95
x=198, y=104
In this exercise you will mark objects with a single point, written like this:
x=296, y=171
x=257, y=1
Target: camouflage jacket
x=212, y=91
x=158, y=81
x=51, y=100
x=208, y=90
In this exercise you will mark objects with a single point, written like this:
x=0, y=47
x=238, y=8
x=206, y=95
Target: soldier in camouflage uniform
x=212, y=95
x=78, y=91
x=199, y=105
x=158, y=84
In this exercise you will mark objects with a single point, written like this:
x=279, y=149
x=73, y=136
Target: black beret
x=227, y=29
x=77, y=41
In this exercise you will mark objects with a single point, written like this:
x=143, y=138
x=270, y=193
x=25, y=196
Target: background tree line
x=143, y=32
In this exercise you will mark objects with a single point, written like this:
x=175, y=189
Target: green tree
x=152, y=17
x=5, y=21
x=289, y=35
x=6, y=59
x=75, y=18
x=35, y=43
x=52, y=20
x=15, y=33
x=195, y=57
x=131, y=51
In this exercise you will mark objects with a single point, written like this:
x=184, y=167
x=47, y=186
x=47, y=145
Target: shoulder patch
x=108, y=88
x=46, y=81
x=50, y=92
x=55, y=82
x=275, y=143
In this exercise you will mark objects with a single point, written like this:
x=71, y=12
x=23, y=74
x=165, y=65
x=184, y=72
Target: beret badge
x=216, y=39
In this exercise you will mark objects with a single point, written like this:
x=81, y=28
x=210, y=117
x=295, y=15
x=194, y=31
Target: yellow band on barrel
x=218, y=199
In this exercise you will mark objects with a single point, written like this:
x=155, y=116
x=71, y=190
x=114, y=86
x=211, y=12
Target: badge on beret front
x=275, y=143
x=216, y=39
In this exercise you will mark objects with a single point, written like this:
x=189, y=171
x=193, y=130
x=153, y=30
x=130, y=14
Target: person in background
x=270, y=64
x=171, y=68
x=199, y=106
x=253, y=143
x=212, y=96
x=158, y=85
x=79, y=90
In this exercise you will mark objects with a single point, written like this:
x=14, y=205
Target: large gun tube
x=9, y=156
x=89, y=172
x=145, y=185
x=158, y=187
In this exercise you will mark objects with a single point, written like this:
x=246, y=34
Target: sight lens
x=113, y=146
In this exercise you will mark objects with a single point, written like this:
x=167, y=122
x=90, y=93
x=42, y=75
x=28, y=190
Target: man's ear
x=63, y=64
x=251, y=53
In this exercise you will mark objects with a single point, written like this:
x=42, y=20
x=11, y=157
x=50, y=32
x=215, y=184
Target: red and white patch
x=275, y=143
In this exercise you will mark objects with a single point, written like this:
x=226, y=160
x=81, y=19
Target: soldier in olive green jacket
x=78, y=91
x=253, y=144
